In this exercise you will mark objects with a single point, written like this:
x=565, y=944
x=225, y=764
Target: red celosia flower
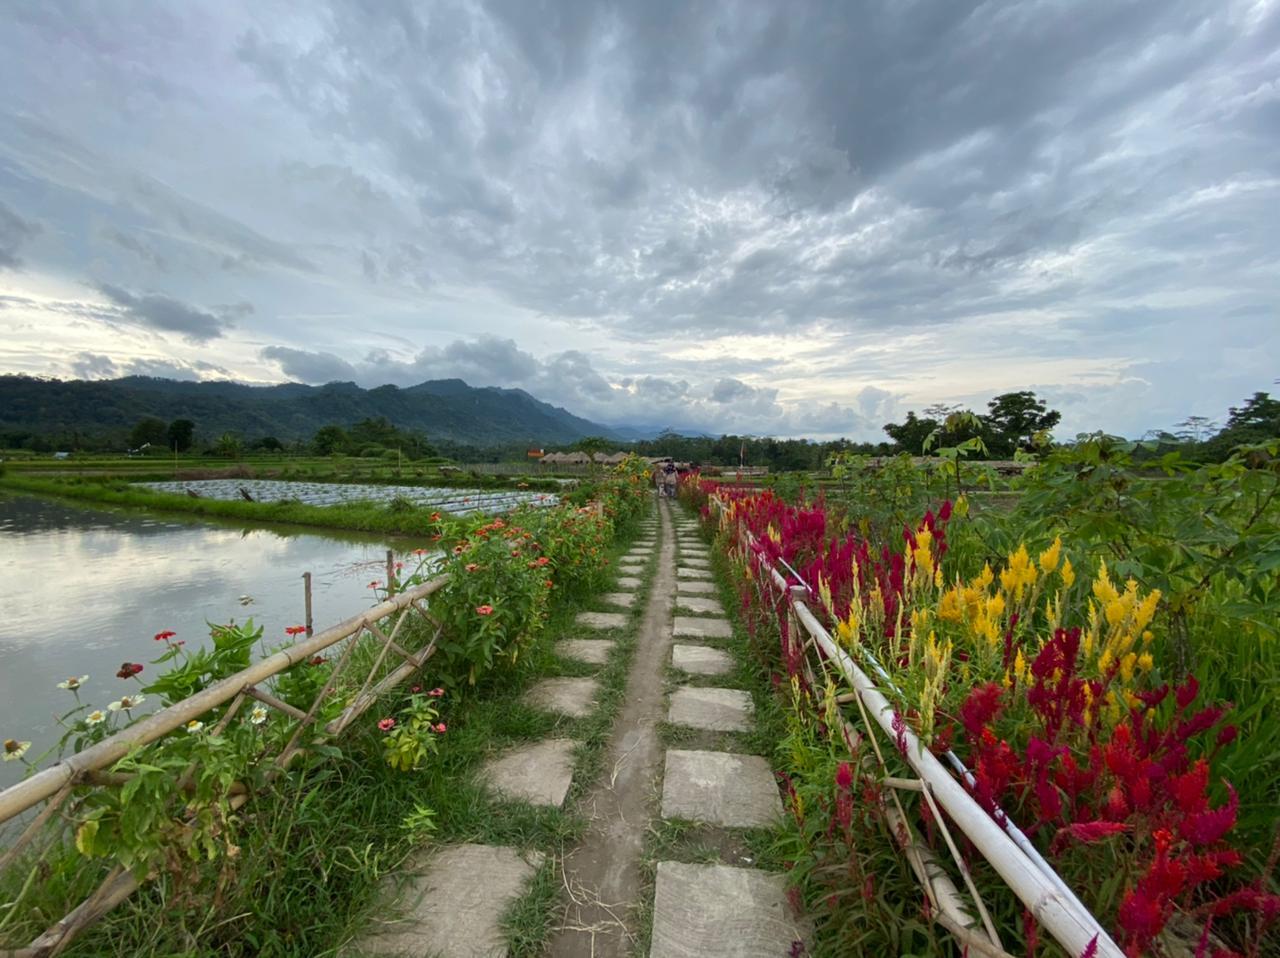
x=844, y=776
x=981, y=708
x=484, y=610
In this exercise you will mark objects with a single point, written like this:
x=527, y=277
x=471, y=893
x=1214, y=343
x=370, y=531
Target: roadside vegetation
x=1101, y=651
x=295, y=869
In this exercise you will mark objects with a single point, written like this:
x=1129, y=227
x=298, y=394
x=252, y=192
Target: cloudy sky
x=776, y=217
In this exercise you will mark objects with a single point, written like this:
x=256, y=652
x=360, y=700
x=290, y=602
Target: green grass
x=314, y=849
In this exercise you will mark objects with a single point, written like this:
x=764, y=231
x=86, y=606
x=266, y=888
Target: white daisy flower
x=14, y=749
x=73, y=683
x=258, y=715
x=127, y=702
x=96, y=717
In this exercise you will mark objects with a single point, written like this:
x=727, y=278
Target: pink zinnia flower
x=471, y=567
x=442, y=728
x=484, y=610
x=387, y=724
x=436, y=693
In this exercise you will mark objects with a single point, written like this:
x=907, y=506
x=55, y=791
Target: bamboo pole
x=17, y=798
x=306, y=602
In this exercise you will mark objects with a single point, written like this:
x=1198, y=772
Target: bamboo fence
x=61, y=787
x=1026, y=873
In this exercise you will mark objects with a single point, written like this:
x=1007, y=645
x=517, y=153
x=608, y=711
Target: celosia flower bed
x=1046, y=679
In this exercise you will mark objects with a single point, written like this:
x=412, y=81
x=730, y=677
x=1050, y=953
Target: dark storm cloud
x=928, y=192
x=14, y=232
x=168, y=315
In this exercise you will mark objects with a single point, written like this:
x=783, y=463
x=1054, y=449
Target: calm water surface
x=83, y=590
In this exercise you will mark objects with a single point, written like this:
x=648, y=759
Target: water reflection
x=84, y=589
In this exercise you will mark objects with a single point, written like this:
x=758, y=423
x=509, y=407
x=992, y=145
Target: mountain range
x=442, y=409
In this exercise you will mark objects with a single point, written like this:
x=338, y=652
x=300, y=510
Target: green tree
x=181, y=434
x=1013, y=419
x=268, y=444
x=329, y=440
x=149, y=431
x=911, y=433
x=229, y=445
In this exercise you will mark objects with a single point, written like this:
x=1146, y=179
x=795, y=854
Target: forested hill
x=442, y=409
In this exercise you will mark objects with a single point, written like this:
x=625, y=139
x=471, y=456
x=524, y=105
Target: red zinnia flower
x=318, y=660
x=128, y=670
x=165, y=636
x=295, y=630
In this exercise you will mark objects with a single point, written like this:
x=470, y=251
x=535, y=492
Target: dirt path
x=602, y=874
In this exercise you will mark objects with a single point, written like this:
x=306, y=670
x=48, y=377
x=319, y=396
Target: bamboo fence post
x=391, y=573
x=306, y=602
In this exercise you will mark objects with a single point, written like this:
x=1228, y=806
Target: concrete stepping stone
x=696, y=587
x=700, y=604
x=701, y=659
x=573, y=697
x=632, y=565
x=717, y=710
x=450, y=903
x=539, y=773
x=717, y=911
x=688, y=572
x=601, y=620
x=636, y=557
x=623, y=599
x=694, y=558
x=629, y=582
x=720, y=788
x=700, y=628
x=590, y=651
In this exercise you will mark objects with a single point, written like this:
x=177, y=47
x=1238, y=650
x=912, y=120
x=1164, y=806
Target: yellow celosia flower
x=1145, y=662
x=984, y=581
x=1068, y=574
x=1049, y=558
x=1020, y=666
x=949, y=607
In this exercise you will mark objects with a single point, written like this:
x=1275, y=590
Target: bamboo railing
x=61, y=786
x=1026, y=873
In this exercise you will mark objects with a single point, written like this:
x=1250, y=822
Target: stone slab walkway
x=701, y=660
x=690, y=586
x=702, y=628
x=716, y=710
x=450, y=904
x=602, y=620
x=720, y=788
x=571, y=697
x=589, y=651
x=539, y=773
x=700, y=605
x=721, y=911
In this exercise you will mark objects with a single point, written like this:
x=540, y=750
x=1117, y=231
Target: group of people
x=665, y=476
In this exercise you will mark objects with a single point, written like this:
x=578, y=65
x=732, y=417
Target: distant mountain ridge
x=442, y=409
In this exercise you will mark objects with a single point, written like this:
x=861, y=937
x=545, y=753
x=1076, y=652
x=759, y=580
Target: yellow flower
x=1020, y=666
x=1049, y=558
x=1145, y=662
x=949, y=608
x=1068, y=574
